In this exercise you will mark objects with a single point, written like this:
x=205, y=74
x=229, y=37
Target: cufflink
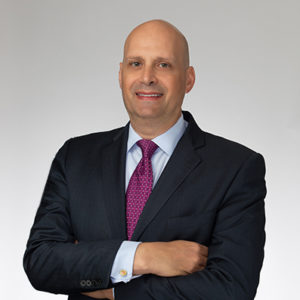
x=123, y=273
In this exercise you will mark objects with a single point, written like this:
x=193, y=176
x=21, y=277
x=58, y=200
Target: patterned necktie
x=139, y=186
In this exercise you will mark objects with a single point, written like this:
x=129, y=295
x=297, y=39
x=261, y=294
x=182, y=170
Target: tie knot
x=148, y=147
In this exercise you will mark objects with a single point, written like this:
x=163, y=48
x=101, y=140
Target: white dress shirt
x=123, y=263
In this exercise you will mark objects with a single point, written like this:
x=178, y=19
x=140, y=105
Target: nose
x=148, y=76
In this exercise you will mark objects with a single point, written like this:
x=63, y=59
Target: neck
x=149, y=129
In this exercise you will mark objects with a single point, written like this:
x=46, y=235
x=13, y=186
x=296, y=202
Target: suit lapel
x=183, y=160
x=113, y=178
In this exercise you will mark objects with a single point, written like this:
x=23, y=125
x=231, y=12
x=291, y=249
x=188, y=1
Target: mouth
x=149, y=95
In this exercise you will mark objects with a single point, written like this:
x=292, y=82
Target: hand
x=168, y=259
x=100, y=294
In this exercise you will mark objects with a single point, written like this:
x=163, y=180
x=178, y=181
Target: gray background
x=58, y=79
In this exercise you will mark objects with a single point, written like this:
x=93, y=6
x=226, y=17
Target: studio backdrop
x=59, y=62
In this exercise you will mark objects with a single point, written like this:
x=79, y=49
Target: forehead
x=152, y=43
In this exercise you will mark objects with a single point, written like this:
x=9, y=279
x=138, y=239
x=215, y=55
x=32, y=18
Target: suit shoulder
x=224, y=142
x=91, y=142
x=103, y=137
x=224, y=155
x=224, y=148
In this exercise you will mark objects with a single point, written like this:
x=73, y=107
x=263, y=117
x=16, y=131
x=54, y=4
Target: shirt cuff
x=123, y=264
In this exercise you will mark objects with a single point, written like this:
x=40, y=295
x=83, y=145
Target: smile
x=149, y=96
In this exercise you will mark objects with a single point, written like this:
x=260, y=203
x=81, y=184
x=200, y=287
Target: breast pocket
x=196, y=227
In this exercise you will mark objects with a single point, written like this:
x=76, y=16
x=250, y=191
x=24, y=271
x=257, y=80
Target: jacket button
x=96, y=283
x=82, y=283
x=88, y=283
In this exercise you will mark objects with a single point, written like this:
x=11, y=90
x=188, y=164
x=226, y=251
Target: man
x=158, y=209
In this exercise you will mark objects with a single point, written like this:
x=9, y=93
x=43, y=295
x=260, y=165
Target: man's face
x=154, y=75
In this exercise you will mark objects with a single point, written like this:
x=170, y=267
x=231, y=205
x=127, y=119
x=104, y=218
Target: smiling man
x=158, y=209
x=154, y=77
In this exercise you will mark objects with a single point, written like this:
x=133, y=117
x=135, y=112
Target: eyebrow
x=159, y=58
x=129, y=58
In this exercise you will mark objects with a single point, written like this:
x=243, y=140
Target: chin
x=147, y=114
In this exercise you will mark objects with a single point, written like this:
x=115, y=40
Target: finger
x=94, y=295
x=204, y=250
x=201, y=268
x=198, y=268
x=203, y=261
x=87, y=294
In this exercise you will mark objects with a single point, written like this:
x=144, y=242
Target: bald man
x=158, y=209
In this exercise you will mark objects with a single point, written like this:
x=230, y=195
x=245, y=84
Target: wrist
x=142, y=260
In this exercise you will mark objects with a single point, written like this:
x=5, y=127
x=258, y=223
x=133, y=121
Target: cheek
x=176, y=86
x=128, y=83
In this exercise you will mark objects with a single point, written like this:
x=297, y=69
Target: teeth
x=149, y=95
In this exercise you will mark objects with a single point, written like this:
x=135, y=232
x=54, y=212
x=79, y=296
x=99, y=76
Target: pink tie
x=140, y=186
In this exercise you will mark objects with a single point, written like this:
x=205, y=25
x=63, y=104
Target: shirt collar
x=166, y=141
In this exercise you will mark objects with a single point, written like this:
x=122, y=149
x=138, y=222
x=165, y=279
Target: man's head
x=155, y=73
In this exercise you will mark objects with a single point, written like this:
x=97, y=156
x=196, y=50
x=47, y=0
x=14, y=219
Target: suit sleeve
x=236, y=249
x=52, y=260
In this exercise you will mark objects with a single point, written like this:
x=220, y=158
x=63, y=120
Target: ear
x=120, y=75
x=190, y=79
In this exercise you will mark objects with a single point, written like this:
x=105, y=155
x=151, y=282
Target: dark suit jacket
x=211, y=191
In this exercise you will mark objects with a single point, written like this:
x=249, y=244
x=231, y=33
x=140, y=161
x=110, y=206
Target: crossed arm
x=228, y=269
x=165, y=259
x=173, y=270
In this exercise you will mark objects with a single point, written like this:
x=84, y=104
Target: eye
x=135, y=64
x=164, y=65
